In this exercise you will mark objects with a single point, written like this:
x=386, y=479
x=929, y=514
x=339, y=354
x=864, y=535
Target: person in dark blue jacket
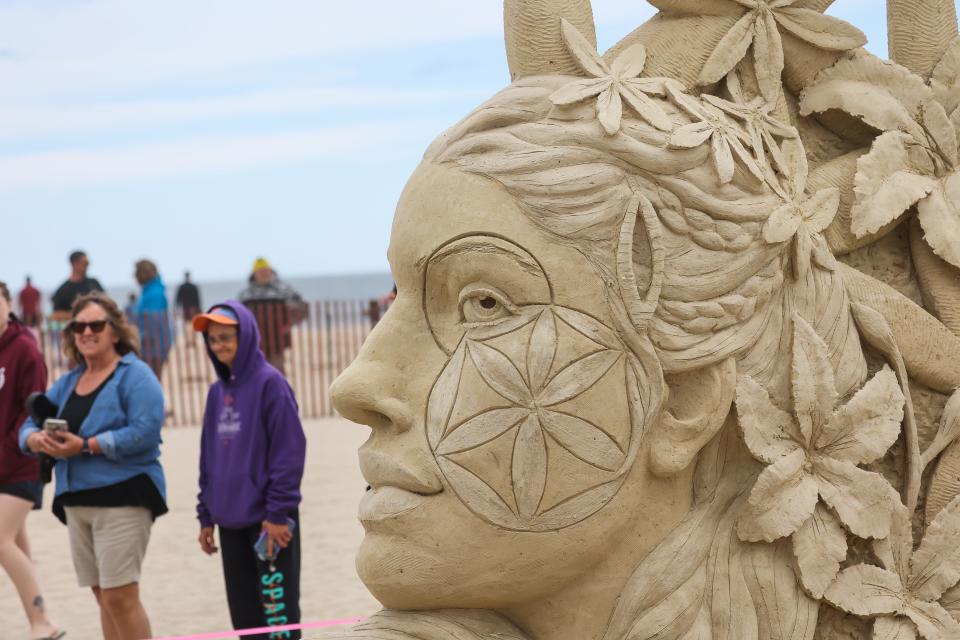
x=252, y=455
x=110, y=485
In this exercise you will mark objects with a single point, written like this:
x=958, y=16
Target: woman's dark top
x=138, y=491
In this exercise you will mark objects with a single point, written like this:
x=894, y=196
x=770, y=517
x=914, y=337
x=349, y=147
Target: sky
x=204, y=134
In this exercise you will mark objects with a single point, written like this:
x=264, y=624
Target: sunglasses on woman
x=79, y=327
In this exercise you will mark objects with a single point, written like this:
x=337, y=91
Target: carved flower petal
x=782, y=499
x=529, y=467
x=722, y=158
x=588, y=326
x=481, y=429
x=893, y=628
x=812, y=382
x=630, y=62
x=542, y=349
x=500, y=373
x=768, y=56
x=820, y=209
x=863, y=429
x=820, y=545
x=779, y=129
x=939, y=215
x=746, y=158
x=782, y=224
x=645, y=107
x=863, y=500
x=935, y=566
x=823, y=31
x=895, y=550
x=579, y=90
x=767, y=430
x=443, y=395
x=865, y=590
x=691, y=135
x=951, y=602
x=582, y=439
x=932, y=620
x=655, y=86
x=577, y=377
x=478, y=495
x=729, y=51
x=885, y=184
x=582, y=51
x=610, y=110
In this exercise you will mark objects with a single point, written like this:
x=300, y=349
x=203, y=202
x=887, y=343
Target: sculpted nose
x=366, y=393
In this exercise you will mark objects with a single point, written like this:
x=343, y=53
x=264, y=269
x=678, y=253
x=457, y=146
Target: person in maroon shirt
x=22, y=372
x=29, y=299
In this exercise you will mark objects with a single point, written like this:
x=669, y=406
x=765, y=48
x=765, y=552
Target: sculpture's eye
x=480, y=304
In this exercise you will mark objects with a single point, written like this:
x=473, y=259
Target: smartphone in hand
x=260, y=547
x=55, y=426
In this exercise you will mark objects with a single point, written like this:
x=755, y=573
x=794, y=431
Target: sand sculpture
x=677, y=341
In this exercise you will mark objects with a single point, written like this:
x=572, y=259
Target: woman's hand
x=206, y=541
x=278, y=534
x=65, y=445
x=40, y=442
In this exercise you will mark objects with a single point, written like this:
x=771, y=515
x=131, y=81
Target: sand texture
x=182, y=589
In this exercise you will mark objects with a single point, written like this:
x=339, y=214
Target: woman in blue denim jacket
x=110, y=485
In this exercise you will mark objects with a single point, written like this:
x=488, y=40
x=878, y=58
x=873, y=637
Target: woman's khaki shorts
x=108, y=544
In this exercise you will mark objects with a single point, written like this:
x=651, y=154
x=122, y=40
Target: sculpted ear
x=698, y=404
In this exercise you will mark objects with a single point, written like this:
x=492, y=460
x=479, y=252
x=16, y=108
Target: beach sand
x=182, y=589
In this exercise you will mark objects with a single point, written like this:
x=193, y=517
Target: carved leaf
x=610, y=110
x=630, y=62
x=577, y=377
x=542, y=350
x=935, y=566
x=691, y=135
x=940, y=219
x=820, y=545
x=501, y=374
x=782, y=499
x=863, y=429
x=814, y=389
x=529, y=467
x=644, y=106
x=722, y=158
x=782, y=223
x=865, y=590
x=951, y=602
x=940, y=129
x=476, y=493
x=820, y=210
x=768, y=431
x=823, y=31
x=885, y=95
x=768, y=55
x=863, y=499
x=932, y=620
x=443, y=395
x=583, y=440
x=582, y=51
x=481, y=429
x=949, y=428
x=729, y=51
x=893, y=628
x=945, y=81
x=895, y=550
x=579, y=90
x=886, y=184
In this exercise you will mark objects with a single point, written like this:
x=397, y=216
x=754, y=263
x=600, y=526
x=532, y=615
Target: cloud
x=43, y=119
x=65, y=168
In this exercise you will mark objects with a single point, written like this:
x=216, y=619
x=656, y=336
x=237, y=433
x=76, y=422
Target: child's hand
x=206, y=541
x=279, y=534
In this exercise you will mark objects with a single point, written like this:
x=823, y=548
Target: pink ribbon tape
x=318, y=624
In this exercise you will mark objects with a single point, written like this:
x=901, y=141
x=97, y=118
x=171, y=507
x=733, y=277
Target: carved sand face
x=504, y=458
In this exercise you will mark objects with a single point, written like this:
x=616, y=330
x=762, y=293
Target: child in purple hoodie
x=252, y=454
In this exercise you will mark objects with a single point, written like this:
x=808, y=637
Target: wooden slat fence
x=311, y=343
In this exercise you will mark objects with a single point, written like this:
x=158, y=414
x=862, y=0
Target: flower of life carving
x=532, y=418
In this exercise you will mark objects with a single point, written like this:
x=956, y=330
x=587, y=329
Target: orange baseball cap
x=219, y=315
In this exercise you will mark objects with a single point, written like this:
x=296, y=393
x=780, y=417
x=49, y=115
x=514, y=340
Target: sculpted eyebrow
x=474, y=247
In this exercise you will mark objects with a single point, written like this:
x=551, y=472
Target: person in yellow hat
x=276, y=305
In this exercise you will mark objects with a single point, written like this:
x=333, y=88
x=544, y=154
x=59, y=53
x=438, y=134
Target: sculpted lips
x=395, y=488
